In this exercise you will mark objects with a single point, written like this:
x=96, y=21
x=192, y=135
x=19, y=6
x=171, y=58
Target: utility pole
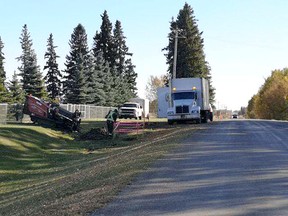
x=175, y=53
x=176, y=31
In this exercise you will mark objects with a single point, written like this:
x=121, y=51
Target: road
x=236, y=167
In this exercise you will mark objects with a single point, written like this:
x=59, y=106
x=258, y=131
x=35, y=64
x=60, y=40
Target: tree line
x=103, y=75
x=271, y=101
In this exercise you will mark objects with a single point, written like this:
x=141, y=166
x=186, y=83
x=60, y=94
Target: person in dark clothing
x=111, y=118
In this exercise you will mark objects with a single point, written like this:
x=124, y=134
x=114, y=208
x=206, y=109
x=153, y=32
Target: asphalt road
x=236, y=167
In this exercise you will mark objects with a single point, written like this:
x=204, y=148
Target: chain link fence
x=13, y=113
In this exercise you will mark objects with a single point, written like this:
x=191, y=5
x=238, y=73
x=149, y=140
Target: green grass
x=49, y=172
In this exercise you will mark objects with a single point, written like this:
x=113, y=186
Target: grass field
x=49, y=172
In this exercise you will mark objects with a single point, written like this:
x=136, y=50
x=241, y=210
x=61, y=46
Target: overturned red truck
x=51, y=113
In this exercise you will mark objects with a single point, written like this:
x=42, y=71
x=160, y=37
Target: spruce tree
x=130, y=76
x=4, y=94
x=53, y=76
x=124, y=67
x=103, y=40
x=32, y=81
x=2, y=71
x=95, y=92
x=77, y=66
x=190, y=50
x=15, y=89
x=120, y=50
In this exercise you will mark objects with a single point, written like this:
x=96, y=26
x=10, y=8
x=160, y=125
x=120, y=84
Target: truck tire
x=170, y=122
x=140, y=117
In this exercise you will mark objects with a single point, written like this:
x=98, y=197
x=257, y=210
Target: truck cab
x=131, y=110
x=184, y=106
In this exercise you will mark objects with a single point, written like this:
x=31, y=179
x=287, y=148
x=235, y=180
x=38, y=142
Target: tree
x=32, y=82
x=130, y=76
x=4, y=94
x=15, y=89
x=77, y=66
x=53, y=76
x=271, y=101
x=190, y=50
x=95, y=81
x=2, y=71
x=154, y=82
x=103, y=40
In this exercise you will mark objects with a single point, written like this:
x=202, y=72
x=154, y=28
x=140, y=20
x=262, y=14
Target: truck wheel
x=140, y=117
x=170, y=122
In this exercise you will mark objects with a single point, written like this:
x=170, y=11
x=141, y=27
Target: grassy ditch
x=48, y=172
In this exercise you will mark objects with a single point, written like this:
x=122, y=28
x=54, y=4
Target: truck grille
x=127, y=111
x=182, y=109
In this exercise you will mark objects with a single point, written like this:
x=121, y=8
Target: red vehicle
x=51, y=113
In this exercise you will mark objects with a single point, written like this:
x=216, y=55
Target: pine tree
x=2, y=71
x=190, y=50
x=103, y=40
x=15, y=89
x=32, y=81
x=77, y=66
x=53, y=75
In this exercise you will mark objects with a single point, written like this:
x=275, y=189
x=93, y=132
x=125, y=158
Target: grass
x=49, y=172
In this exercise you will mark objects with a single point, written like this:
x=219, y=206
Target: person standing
x=111, y=119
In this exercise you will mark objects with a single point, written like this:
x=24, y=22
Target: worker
x=111, y=118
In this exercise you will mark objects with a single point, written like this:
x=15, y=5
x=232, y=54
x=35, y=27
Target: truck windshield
x=183, y=95
x=130, y=105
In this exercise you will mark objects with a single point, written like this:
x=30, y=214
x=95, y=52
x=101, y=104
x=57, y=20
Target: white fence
x=13, y=112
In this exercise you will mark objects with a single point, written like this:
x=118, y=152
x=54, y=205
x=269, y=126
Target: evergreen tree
x=15, y=89
x=190, y=50
x=103, y=40
x=130, y=76
x=4, y=94
x=95, y=92
x=124, y=67
x=108, y=83
x=29, y=70
x=77, y=66
x=2, y=71
x=120, y=50
x=53, y=75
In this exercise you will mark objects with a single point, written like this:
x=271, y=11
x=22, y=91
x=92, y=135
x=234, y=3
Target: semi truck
x=186, y=100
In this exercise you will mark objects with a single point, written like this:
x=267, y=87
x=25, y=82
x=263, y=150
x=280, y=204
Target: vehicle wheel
x=170, y=122
x=140, y=117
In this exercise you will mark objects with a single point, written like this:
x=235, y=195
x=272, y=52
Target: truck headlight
x=170, y=113
x=194, y=111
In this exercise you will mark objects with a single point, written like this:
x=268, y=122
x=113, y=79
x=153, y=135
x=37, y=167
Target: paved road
x=235, y=167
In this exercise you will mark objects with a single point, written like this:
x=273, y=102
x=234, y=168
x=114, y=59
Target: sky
x=244, y=40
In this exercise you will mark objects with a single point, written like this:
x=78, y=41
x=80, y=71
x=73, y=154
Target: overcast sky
x=243, y=40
